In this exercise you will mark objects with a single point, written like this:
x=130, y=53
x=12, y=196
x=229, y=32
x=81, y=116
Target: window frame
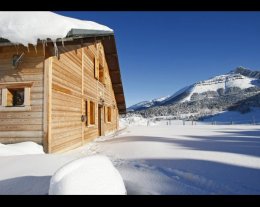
x=99, y=65
x=4, y=87
x=109, y=114
x=90, y=122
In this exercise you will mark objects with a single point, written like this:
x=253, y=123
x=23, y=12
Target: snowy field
x=158, y=159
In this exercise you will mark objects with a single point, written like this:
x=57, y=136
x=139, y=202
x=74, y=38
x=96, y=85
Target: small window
x=99, y=71
x=108, y=114
x=15, y=97
x=92, y=113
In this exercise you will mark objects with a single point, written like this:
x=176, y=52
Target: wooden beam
x=82, y=94
x=47, y=105
x=16, y=85
x=70, y=40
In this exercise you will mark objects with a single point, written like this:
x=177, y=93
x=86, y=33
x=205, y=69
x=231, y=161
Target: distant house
x=61, y=93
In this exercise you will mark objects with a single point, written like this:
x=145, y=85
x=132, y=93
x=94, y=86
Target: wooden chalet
x=61, y=94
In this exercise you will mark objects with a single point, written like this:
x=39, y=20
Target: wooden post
x=82, y=94
x=27, y=101
x=47, y=105
x=4, y=97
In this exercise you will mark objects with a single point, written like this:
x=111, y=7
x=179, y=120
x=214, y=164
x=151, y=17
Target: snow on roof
x=27, y=27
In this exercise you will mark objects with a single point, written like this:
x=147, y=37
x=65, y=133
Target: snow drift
x=27, y=27
x=20, y=149
x=94, y=175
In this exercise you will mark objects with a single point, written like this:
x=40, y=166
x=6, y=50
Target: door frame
x=100, y=120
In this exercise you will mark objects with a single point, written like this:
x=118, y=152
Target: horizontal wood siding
x=66, y=101
x=19, y=126
x=70, y=83
x=94, y=90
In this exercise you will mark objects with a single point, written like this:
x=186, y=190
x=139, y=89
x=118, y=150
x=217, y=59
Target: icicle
x=17, y=48
x=62, y=41
x=35, y=48
x=55, y=49
x=28, y=48
x=43, y=47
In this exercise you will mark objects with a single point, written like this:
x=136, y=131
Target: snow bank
x=20, y=149
x=135, y=120
x=226, y=117
x=28, y=27
x=90, y=175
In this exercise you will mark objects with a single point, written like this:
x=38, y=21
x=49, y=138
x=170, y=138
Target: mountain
x=147, y=104
x=230, y=83
x=224, y=92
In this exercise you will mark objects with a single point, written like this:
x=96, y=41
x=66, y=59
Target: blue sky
x=161, y=52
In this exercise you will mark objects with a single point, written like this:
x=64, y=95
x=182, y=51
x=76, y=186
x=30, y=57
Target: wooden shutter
x=109, y=114
x=105, y=114
x=96, y=67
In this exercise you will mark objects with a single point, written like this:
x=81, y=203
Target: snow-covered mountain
x=234, y=82
x=147, y=104
x=229, y=83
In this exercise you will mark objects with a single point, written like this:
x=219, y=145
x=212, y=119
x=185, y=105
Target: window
x=90, y=112
x=15, y=96
x=108, y=114
x=99, y=70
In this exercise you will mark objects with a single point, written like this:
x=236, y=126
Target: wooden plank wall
x=68, y=102
x=72, y=84
x=21, y=126
x=66, y=126
x=94, y=90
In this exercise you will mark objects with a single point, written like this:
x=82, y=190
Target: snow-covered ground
x=226, y=117
x=22, y=148
x=159, y=159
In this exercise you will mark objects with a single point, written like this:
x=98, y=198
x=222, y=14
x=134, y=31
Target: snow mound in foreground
x=22, y=148
x=94, y=175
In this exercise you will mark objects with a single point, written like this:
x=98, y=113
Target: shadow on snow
x=189, y=176
x=26, y=185
x=244, y=142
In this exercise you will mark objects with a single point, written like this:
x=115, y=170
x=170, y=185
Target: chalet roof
x=34, y=27
x=25, y=28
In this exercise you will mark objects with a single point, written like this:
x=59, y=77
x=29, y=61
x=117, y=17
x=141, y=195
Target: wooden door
x=100, y=120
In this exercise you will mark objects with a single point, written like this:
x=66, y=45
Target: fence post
x=253, y=120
